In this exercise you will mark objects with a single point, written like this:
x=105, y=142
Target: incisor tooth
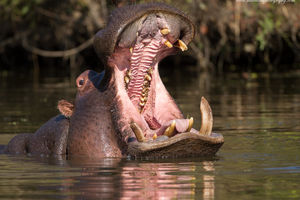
x=165, y=31
x=168, y=44
x=154, y=136
x=137, y=131
x=182, y=45
x=191, y=122
x=170, y=130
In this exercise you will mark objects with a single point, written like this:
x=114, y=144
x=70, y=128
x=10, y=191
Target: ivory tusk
x=206, y=117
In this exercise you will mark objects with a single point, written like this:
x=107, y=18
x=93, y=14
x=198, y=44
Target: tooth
x=182, y=45
x=142, y=104
x=145, y=90
x=137, y=131
x=170, y=130
x=206, y=117
x=146, y=83
x=126, y=79
x=145, y=94
x=168, y=44
x=143, y=99
x=131, y=49
x=154, y=136
x=164, y=31
x=129, y=73
x=147, y=77
x=191, y=122
x=167, y=131
x=150, y=71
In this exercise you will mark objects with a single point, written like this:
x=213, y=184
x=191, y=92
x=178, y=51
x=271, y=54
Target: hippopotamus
x=126, y=109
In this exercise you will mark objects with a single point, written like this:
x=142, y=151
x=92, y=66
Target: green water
x=259, y=118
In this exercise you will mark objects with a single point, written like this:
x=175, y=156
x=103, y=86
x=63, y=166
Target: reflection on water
x=107, y=178
x=208, y=181
x=259, y=118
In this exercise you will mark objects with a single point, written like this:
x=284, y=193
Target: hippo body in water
x=126, y=109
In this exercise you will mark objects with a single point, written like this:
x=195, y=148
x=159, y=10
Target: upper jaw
x=123, y=20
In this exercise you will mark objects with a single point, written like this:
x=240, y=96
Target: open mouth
x=145, y=104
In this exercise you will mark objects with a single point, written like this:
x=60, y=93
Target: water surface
x=259, y=118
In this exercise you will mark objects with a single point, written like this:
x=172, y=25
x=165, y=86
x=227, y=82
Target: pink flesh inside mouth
x=152, y=108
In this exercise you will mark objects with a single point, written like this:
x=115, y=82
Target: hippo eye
x=131, y=139
x=81, y=82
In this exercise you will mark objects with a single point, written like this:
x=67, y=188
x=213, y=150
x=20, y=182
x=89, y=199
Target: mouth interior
x=139, y=78
x=137, y=60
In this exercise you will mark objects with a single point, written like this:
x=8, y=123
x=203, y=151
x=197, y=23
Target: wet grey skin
x=126, y=110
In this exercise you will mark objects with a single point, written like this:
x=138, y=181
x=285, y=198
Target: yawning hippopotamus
x=126, y=109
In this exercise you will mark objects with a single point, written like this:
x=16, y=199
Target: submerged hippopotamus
x=126, y=109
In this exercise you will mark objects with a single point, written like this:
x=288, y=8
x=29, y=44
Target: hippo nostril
x=81, y=82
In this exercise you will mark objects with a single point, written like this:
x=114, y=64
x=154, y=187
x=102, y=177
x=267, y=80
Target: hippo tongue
x=181, y=125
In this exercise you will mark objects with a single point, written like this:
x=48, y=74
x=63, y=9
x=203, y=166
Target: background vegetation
x=46, y=36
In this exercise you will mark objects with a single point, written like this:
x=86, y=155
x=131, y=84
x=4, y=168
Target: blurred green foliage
x=14, y=9
x=266, y=28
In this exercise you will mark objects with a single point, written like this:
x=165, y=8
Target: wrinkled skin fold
x=126, y=109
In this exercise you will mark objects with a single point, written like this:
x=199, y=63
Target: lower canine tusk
x=137, y=131
x=206, y=117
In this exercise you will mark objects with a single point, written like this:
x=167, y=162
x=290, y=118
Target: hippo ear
x=65, y=108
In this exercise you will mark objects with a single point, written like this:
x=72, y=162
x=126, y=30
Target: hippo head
x=126, y=109
x=136, y=39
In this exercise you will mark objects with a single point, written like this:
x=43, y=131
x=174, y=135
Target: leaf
x=24, y=10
